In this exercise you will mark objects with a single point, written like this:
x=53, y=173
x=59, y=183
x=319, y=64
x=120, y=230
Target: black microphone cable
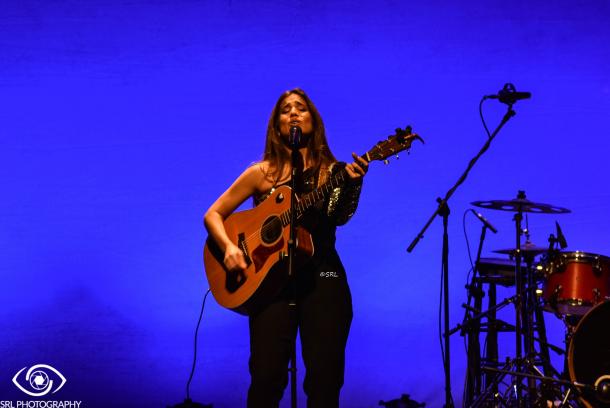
x=483, y=99
x=187, y=402
x=188, y=383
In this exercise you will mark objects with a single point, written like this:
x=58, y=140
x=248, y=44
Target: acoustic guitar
x=262, y=234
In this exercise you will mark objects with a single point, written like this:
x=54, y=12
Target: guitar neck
x=322, y=192
x=381, y=151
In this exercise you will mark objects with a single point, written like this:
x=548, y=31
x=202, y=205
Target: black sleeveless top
x=322, y=219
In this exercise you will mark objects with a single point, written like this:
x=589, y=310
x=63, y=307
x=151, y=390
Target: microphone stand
x=292, y=281
x=443, y=210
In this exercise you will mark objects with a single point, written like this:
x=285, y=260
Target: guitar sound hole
x=271, y=230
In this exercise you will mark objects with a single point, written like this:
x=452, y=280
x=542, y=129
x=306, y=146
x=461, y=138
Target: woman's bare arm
x=245, y=186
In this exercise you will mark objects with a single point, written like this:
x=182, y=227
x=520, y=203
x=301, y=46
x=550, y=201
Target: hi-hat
x=520, y=204
x=526, y=249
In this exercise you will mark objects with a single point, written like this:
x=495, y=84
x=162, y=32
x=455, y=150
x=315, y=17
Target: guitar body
x=262, y=234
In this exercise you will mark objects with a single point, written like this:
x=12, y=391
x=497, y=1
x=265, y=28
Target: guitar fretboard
x=317, y=195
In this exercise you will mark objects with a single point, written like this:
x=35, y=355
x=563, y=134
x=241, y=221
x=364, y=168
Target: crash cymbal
x=520, y=204
x=526, y=249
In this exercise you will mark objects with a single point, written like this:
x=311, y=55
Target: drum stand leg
x=542, y=340
x=533, y=322
x=490, y=398
x=537, y=393
x=495, y=396
x=491, y=355
x=548, y=392
x=473, y=378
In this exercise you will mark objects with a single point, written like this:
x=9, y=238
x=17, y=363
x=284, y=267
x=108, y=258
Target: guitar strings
x=339, y=177
x=267, y=227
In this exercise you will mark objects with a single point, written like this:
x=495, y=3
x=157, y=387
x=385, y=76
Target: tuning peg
x=397, y=157
x=386, y=161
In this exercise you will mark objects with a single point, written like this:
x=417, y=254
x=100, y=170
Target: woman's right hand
x=234, y=258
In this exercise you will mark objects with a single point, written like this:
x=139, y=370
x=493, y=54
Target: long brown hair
x=319, y=154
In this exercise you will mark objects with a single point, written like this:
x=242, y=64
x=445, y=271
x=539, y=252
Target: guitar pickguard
x=262, y=253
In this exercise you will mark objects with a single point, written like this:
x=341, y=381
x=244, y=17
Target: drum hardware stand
x=492, y=388
x=572, y=385
x=527, y=306
x=471, y=326
x=465, y=326
x=494, y=379
x=483, y=400
x=512, y=366
x=534, y=313
x=475, y=290
x=443, y=210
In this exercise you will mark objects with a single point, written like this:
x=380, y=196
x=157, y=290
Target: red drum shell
x=575, y=282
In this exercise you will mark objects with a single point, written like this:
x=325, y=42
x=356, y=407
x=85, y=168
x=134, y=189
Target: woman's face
x=294, y=112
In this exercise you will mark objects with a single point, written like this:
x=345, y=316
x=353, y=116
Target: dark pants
x=323, y=318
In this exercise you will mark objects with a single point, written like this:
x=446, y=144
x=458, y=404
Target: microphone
x=295, y=136
x=484, y=221
x=509, y=95
x=561, y=239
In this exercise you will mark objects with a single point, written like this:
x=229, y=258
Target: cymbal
x=526, y=249
x=520, y=204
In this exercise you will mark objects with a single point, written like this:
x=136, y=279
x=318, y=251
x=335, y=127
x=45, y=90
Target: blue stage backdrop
x=122, y=121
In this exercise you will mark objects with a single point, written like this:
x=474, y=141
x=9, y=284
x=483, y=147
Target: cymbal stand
x=519, y=312
x=527, y=310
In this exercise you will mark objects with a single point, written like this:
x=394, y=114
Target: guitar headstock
x=394, y=144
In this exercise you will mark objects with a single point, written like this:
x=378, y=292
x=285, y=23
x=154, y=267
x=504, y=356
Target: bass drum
x=589, y=352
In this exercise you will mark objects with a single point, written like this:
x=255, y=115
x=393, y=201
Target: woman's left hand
x=358, y=168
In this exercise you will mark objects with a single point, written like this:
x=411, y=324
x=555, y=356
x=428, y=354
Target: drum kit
x=573, y=286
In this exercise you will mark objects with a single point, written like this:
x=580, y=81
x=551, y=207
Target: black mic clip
x=509, y=95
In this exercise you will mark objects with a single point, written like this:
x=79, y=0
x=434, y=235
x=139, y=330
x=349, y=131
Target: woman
x=324, y=309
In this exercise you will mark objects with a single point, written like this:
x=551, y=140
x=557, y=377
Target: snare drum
x=575, y=282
